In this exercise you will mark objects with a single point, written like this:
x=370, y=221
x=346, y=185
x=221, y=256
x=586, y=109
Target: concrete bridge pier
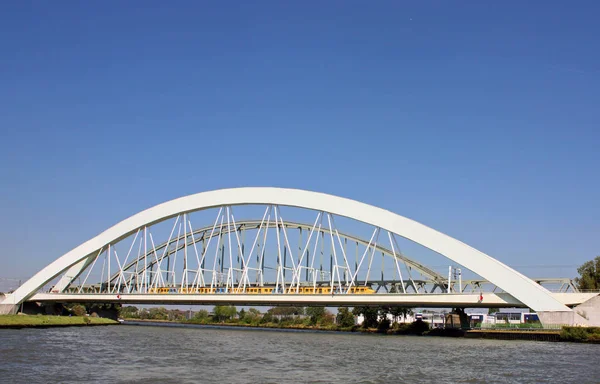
x=556, y=318
x=584, y=314
x=5, y=307
x=8, y=309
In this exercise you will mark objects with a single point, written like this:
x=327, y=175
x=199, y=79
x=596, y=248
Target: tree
x=241, y=314
x=159, y=313
x=253, y=312
x=316, y=314
x=268, y=318
x=251, y=316
x=369, y=314
x=327, y=319
x=589, y=275
x=224, y=312
x=176, y=314
x=130, y=312
x=398, y=312
x=344, y=317
x=201, y=315
x=144, y=313
x=79, y=310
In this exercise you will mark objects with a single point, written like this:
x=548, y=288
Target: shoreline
x=49, y=321
x=238, y=325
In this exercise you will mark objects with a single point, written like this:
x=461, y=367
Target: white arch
x=519, y=286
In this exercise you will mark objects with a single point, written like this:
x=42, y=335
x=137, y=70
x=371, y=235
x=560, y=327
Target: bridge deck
x=409, y=300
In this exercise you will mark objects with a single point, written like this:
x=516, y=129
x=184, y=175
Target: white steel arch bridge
x=268, y=260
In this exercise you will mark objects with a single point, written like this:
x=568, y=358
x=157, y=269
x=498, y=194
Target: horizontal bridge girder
x=430, y=300
x=410, y=300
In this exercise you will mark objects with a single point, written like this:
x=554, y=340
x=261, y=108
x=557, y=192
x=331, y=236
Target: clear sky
x=479, y=119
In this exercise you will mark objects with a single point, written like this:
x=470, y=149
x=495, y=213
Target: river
x=196, y=354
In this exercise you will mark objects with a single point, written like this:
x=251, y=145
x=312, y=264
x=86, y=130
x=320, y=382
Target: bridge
x=333, y=252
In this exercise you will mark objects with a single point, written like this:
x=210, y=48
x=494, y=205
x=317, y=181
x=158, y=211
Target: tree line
x=292, y=316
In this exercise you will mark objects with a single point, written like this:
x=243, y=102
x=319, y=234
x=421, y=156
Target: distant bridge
x=303, y=261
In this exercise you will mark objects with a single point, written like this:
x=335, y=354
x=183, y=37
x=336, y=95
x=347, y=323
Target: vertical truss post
x=279, y=258
x=300, y=254
x=406, y=265
x=343, y=248
x=203, y=262
x=312, y=269
x=109, y=275
x=376, y=231
x=222, y=255
x=336, y=269
x=214, y=280
x=289, y=248
x=344, y=252
x=322, y=252
x=205, y=248
x=230, y=270
x=372, y=256
x=244, y=279
x=158, y=275
x=284, y=261
x=297, y=270
x=356, y=259
x=173, y=273
x=397, y=265
x=137, y=269
x=261, y=264
x=144, y=282
x=184, y=272
x=198, y=276
x=243, y=251
x=382, y=264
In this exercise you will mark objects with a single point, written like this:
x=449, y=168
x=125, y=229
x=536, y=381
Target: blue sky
x=477, y=119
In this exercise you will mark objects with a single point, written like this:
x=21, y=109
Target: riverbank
x=418, y=328
x=499, y=334
x=567, y=334
x=243, y=325
x=45, y=321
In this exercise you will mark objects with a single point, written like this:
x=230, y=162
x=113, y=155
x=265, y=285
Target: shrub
x=79, y=310
x=383, y=325
x=345, y=318
x=580, y=334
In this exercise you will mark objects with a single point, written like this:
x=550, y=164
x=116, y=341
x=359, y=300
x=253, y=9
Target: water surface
x=181, y=354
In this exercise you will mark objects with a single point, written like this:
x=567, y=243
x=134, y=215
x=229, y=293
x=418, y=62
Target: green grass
x=45, y=320
x=504, y=326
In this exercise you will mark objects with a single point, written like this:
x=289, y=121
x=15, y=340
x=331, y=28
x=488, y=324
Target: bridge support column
x=588, y=313
x=8, y=309
x=7, y=305
x=557, y=318
x=464, y=319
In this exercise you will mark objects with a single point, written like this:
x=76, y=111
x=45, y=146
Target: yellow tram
x=253, y=290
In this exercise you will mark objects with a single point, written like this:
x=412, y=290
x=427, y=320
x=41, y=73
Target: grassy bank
x=21, y=321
